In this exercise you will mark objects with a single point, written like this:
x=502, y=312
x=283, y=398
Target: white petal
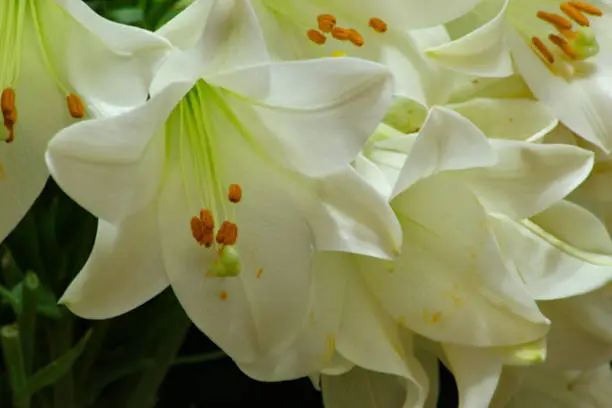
x=112, y=166
x=447, y=141
x=354, y=217
x=459, y=288
x=314, y=347
x=528, y=177
x=372, y=174
x=106, y=63
x=214, y=36
x=125, y=268
x=582, y=103
x=361, y=388
x=514, y=119
x=477, y=373
x=371, y=339
x=482, y=52
x=303, y=115
x=241, y=314
x=550, y=268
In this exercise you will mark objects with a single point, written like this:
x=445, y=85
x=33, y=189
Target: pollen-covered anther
x=586, y=8
x=544, y=52
x=75, y=106
x=326, y=22
x=9, y=111
x=327, y=17
x=355, y=37
x=341, y=34
x=207, y=219
x=563, y=45
x=235, y=193
x=316, y=37
x=227, y=234
x=378, y=25
x=555, y=19
x=200, y=233
x=575, y=14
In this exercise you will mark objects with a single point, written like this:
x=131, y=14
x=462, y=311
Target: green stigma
x=585, y=44
x=227, y=265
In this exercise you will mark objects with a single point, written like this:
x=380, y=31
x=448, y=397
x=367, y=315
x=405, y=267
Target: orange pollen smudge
x=259, y=272
x=355, y=37
x=75, y=106
x=235, y=193
x=575, y=14
x=341, y=34
x=563, y=45
x=316, y=37
x=9, y=111
x=555, y=19
x=223, y=295
x=545, y=52
x=586, y=8
x=378, y=25
x=227, y=234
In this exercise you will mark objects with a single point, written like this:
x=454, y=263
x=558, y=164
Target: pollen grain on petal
x=223, y=295
x=575, y=14
x=338, y=53
x=563, y=45
x=259, y=272
x=544, y=51
x=316, y=37
x=341, y=34
x=586, y=8
x=75, y=106
x=235, y=193
x=378, y=25
x=555, y=19
x=227, y=234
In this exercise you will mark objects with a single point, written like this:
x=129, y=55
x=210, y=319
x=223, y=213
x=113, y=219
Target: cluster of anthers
x=203, y=231
x=76, y=108
x=574, y=44
x=327, y=25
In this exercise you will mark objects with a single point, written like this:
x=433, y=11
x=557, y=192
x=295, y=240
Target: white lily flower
x=226, y=181
x=562, y=49
x=59, y=62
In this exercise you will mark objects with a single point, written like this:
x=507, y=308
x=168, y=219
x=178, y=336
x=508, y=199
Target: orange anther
x=259, y=272
x=575, y=14
x=355, y=37
x=543, y=50
x=326, y=25
x=227, y=234
x=341, y=34
x=563, y=45
x=207, y=219
x=378, y=25
x=326, y=17
x=586, y=8
x=197, y=229
x=235, y=193
x=555, y=19
x=9, y=111
x=316, y=37
x=75, y=106
x=223, y=295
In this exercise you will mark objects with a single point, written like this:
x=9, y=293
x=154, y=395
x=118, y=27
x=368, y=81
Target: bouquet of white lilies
x=359, y=192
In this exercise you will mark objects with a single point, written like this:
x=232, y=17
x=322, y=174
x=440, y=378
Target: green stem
x=87, y=359
x=27, y=318
x=60, y=336
x=200, y=358
x=15, y=367
x=145, y=394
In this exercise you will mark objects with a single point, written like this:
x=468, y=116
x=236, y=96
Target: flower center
x=199, y=167
x=14, y=15
x=563, y=39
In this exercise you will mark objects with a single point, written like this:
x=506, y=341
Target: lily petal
x=309, y=122
x=124, y=153
x=463, y=292
x=528, y=177
x=482, y=52
x=513, y=119
x=125, y=268
x=447, y=141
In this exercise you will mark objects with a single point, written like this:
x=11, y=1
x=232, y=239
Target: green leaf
x=46, y=301
x=54, y=371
